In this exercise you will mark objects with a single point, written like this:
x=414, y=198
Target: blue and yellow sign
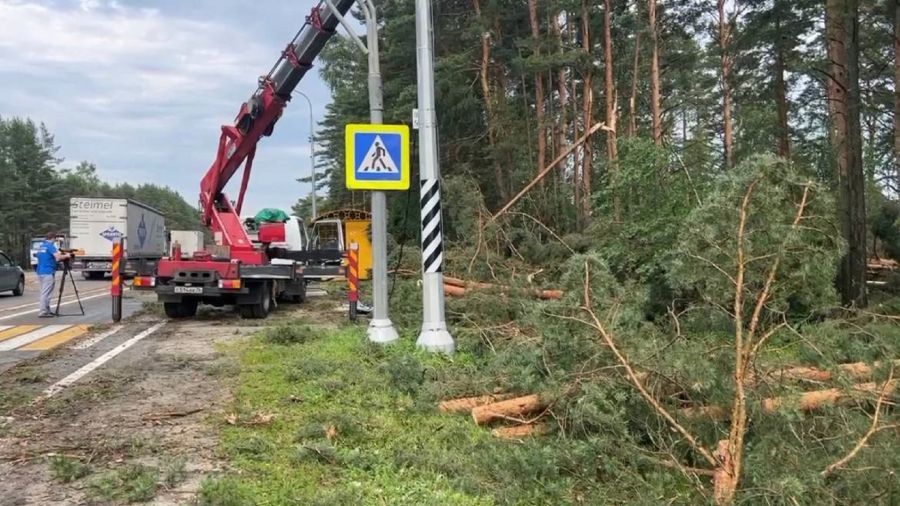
x=377, y=157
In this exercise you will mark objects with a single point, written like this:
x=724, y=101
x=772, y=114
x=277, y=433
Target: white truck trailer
x=94, y=223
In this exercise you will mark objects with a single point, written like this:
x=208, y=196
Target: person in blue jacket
x=48, y=255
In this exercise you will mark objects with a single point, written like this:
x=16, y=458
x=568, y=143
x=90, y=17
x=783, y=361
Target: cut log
x=468, y=403
x=549, y=294
x=456, y=291
x=466, y=284
x=459, y=287
x=807, y=401
x=508, y=409
x=811, y=401
x=854, y=370
x=520, y=431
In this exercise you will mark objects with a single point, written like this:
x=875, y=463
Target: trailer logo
x=142, y=231
x=111, y=234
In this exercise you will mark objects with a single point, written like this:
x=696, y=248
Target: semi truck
x=94, y=223
x=250, y=273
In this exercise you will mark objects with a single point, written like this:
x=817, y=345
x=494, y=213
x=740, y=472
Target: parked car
x=12, y=277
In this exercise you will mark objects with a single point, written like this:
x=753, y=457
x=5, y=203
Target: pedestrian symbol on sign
x=378, y=159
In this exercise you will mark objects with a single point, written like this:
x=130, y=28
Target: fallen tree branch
x=632, y=375
x=841, y=462
x=170, y=414
x=546, y=170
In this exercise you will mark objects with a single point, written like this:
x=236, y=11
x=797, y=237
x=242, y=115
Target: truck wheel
x=189, y=307
x=20, y=288
x=173, y=309
x=301, y=297
x=93, y=275
x=184, y=309
x=258, y=309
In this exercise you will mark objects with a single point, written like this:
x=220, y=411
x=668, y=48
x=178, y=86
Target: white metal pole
x=434, y=335
x=381, y=329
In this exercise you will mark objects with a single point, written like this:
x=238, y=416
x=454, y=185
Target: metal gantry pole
x=434, y=335
x=312, y=152
x=381, y=329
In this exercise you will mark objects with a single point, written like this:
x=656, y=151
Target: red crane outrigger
x=235, y=270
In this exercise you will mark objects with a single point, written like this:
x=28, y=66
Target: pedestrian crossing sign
x=377, y=157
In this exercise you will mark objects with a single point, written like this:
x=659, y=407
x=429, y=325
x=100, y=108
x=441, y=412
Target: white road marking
x=65, y=298
x=4, y=327
x=87, y=343
x=32, y=336
x=97, y=362
x=53, y=306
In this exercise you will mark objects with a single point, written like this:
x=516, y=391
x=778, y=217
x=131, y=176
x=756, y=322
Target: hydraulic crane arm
x=256, y=118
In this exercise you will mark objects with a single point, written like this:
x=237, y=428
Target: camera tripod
x=67, y=273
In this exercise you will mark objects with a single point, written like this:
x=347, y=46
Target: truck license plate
x=188, y=289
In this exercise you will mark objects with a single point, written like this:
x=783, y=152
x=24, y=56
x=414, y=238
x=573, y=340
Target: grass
x=354, y=424
x=66, y=469
x=132, y=483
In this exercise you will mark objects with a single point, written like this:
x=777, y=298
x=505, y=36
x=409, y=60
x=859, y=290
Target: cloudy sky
x=140, y=87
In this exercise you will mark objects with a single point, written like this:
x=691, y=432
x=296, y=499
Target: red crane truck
x=235, y=270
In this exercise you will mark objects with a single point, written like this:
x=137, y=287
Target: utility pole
x=434, y=335
x=312, y=152
x=381, y=329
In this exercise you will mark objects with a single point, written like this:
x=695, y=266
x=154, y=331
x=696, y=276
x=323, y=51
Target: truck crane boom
x=236, y=270
x=256, y=119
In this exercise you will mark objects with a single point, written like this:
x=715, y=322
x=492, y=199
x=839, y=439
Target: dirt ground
x=158, y=405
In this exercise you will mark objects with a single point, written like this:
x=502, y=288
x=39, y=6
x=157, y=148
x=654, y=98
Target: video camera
x=72, y=252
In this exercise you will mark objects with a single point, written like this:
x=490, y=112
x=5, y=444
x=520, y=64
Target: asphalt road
x=24, y=335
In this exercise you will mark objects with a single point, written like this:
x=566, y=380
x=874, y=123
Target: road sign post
x=378, y=160
x=434, y=335
x=353, y=279
x=116, y=284
x=381, y=330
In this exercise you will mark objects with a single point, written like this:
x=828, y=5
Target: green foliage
x=224, y=491
x=174, y=472
x=805, y=251
x=67, y=469
x=288, y=333
x=131, y=483
x=34, y=196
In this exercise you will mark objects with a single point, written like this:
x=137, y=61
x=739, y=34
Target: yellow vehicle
x=337, y=229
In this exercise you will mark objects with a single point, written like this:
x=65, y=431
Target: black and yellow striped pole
x=116, y=288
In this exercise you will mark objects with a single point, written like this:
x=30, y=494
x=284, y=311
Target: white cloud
x=142, y=92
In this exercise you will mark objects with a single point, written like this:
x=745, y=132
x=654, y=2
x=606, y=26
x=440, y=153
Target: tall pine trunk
x=724, y=41
x=781, y=103
x=655, y=105
x=562, y=88
x=612, y=149
x=841, y=18
x=587, y=108
x=897, y=96
x=490, y=113
x=635, y=75
x=538, y=87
